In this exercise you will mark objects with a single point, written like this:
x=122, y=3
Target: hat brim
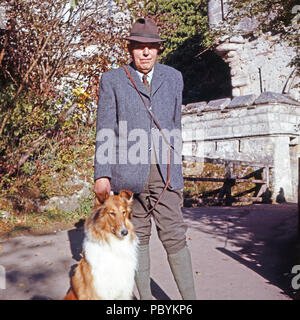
x=144, y=39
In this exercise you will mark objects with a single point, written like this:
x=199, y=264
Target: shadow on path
x=263, y=238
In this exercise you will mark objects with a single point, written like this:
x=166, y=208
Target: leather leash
x=159, y=128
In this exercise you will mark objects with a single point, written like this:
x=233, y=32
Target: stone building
x=260, y=123
x=259, y=130
x=256, y=64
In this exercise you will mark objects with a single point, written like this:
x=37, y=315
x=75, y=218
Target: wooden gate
x=260, y=177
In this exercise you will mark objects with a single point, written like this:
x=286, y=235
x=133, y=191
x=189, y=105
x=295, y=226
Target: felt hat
x=144, y=30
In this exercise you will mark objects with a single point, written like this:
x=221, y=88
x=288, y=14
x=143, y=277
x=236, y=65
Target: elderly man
x=138, y=124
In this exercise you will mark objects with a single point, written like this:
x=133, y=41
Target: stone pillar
x=214, y=10
x=282, y=178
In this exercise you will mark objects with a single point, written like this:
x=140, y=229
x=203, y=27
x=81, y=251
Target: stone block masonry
x=257, y=64
x=261, y=129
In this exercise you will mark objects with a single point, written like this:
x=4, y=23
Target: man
x=130, y=154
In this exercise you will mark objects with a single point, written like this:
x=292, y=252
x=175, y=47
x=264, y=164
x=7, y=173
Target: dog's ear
x=127, y=194
x=100, y=198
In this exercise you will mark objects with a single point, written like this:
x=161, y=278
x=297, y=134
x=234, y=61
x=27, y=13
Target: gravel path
x=237, y=253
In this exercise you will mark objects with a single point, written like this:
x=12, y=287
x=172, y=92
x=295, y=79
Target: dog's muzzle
x=123, y=232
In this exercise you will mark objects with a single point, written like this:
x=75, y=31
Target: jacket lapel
x=157, y=78
x=137, y=80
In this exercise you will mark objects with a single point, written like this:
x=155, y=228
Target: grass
x=49, y=221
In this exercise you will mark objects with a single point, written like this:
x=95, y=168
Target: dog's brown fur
x=109, y=217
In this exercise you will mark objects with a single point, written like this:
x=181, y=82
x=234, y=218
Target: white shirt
x=149, y=75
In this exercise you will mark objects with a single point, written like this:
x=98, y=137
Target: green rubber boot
x=181, y=266
x=142, y=275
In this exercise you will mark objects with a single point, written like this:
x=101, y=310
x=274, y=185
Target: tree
x=178, y=20
x=51, y=57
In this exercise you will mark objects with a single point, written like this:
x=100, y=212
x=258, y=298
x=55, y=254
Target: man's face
x=144, y=55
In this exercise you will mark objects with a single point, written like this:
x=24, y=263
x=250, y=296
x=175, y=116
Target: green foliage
x=184, y=26
x=190, y=40
x=178, y=21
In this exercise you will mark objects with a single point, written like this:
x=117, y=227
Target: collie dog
x=107, y=269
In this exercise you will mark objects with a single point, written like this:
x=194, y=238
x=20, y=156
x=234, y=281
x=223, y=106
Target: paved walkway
x=237, y=253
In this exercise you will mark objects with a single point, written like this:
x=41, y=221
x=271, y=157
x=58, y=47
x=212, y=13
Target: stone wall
x=256, y=64
x=262, y=130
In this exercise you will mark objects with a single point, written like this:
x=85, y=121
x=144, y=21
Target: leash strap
x=159, y=128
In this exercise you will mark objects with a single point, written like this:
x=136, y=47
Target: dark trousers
x=167, y=215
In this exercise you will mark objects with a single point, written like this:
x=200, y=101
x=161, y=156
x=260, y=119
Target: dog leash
x=166, y=140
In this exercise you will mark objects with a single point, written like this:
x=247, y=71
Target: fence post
x=228, y=184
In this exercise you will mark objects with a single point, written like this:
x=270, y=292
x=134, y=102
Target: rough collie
x=107, y=269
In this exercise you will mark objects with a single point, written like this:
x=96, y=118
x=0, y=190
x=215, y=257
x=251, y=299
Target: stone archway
x=206, y=77
x=257, y=64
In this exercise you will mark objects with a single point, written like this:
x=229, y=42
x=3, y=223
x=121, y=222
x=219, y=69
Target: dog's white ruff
x=113, y=264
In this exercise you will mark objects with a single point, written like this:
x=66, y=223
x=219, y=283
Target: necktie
x=146, y=83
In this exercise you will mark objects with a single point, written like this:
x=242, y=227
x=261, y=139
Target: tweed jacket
x=124, y=122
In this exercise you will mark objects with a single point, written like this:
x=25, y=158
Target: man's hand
x=102, y=187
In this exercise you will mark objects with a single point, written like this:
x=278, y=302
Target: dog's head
x=112, y=214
